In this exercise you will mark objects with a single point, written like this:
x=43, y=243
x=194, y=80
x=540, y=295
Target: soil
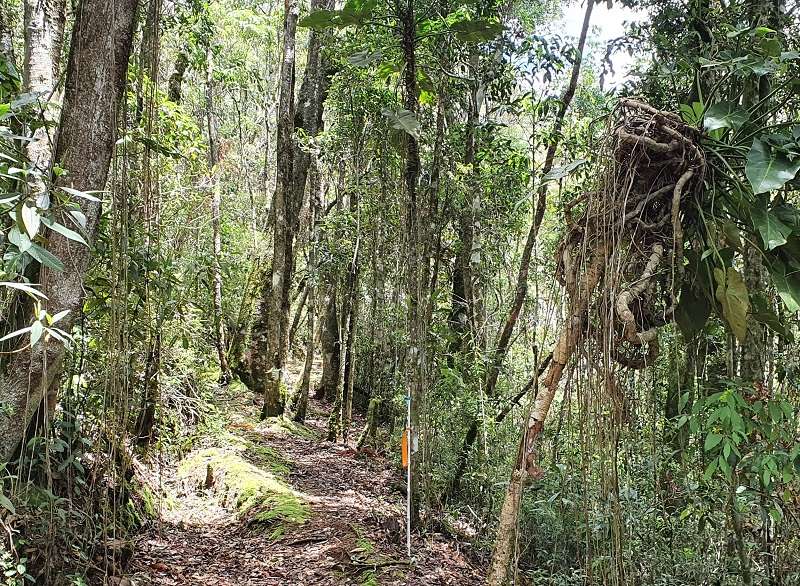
x=355, y=533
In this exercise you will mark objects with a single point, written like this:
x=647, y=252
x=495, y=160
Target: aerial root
x=620, y=257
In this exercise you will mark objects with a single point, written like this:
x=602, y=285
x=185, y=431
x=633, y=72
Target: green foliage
x=476, y=31
x=354, y=12
x=724, y=115
x=768, y=164
x=14, y=571
x=733, y=297
x=749, y=438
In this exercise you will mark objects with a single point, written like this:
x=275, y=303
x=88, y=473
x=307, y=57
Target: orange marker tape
x=404, y=448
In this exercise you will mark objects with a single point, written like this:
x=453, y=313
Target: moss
x=266, y=457
x=237, y=388
x=252, y=491
x=365, y=546
x=149, y=502
x=284, y=425
x=141, y=504
x=369, y=579
x=210, y=375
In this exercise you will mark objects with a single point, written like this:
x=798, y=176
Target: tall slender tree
x=44, y=37
x=216, y=228
x=270, y=331
x=506, y=530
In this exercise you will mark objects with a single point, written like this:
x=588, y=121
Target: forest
x=385, y=292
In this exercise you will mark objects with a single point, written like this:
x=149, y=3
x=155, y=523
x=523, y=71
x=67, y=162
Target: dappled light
x=382, y=293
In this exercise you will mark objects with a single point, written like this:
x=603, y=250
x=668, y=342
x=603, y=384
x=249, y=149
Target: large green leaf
x=320, y=19
x=64, y=231
x=476, y=31
x=403, y=120
x=725, y=115
x=763, y=313
x=19, y=239
x=365, y=58
x=768, y=168
x=712, y=440
x=353, y=12
x=733, y=236
x=45, y=257
x=360, y=7
x=773, y=232
x=692, y=312
x=561, y=172
x=787, y=284
x=30, y=219
x=732, y=296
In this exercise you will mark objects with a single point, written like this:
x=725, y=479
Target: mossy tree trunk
x=369, y=433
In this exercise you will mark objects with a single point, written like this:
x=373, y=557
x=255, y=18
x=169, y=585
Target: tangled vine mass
x=629, y=234
x=620, y=259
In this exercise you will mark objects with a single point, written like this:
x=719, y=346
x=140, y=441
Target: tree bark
x=300, y=404
x=331, y=351
x=369, y=433
x=526, y=467
x=270, y=332
x=96, y=74
x=411, y=172
x=298, y=314
x=44, y=35
x=6, y=35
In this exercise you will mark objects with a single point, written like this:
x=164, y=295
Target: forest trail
x=351, y=530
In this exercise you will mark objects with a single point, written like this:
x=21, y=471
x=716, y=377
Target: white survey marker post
x=409, y=444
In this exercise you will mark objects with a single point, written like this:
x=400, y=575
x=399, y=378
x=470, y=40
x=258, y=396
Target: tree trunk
x=461, y=321
x=96, y=74
x=503, y=340
x=270, y=332
x=331, y=352
x=147, y=415
x=300, y=405
x=348, y=375
x=6, y=35
x=174, y=86
x=297, y=316
x=411, y=172
x=525, y=466
x=226, y=375
x=44, y=36
x=368, y=434
x=292, y=173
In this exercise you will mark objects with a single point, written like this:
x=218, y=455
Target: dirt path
x=353, y=534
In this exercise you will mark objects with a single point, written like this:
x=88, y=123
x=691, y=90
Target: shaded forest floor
x=272, y=503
